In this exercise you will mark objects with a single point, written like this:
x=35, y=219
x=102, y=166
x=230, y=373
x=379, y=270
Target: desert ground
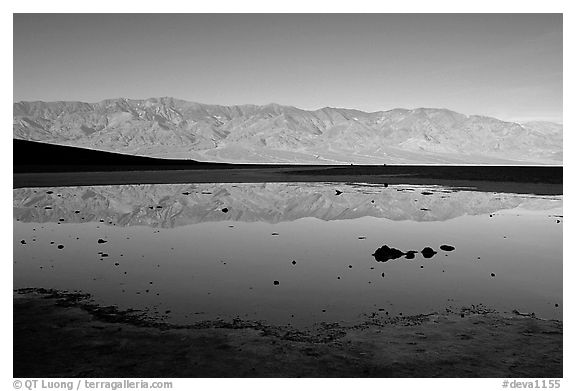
x=59, y=335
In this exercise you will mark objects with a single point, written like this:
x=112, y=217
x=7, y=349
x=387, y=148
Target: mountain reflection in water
x=169, y=206
x=296, y=253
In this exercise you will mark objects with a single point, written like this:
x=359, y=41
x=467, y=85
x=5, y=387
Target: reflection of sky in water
x=190, y=258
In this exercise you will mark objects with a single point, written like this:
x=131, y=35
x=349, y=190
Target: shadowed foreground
x=57, y=336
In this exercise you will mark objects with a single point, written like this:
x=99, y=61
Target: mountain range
x=172, y=128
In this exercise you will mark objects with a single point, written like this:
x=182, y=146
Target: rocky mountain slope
x=172, y=128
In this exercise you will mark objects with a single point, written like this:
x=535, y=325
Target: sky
x=508, y=66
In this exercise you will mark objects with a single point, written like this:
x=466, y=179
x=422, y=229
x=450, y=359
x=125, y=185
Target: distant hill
x=32, y=156
x=172, y=128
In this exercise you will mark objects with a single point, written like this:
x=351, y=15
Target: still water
x=290, y=253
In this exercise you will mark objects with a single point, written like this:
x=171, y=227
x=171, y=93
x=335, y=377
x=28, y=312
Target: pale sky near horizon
x=504, y=65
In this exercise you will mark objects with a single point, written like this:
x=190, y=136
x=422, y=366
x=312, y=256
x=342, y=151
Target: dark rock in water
x=338, y=192
x=275, y=234
x=60, y=246
x=410, y=254
x=383, y=275
x=159, y=207
x=556, y=305
x=49, y=192
x=60, y=219
x=385, y=253
x=372, y=201
x=350, y=266
x=117, y=264
x=493, y=275
x=385, y=185
x=338, y=277
x=557, y=221
x=150, y=207
x=103, y=255
x=361, y=237
x=426, y=193
x=293, y=262
x=101, y=220
x=76, y=211
x=225, y=210
x=428, y=252
x=421, y=266
x=186, y=193
x=23, y=241
x=276, y=282
x=424, y=209
x=102, y=241
x=447, y=247
x=47, y=207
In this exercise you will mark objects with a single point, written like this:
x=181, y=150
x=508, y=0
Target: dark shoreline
x=59, y=334
x=43, y=165
x=269, y=175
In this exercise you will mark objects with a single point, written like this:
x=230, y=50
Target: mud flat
x=59, y=334
x=408, y=175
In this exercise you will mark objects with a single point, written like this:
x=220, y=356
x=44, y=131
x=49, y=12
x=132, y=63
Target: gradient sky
x=504, y=65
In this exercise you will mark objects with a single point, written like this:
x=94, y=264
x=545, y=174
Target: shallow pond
x=295, y=253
